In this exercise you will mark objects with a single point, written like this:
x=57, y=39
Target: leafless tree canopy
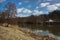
x=9, y=14
x=11, y=9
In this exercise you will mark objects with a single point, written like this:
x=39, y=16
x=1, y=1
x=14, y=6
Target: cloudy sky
x=32, y=7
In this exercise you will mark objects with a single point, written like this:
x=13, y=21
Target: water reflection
x=47, y=33
x=44, y=32
x=57, y=37
x=41, y=32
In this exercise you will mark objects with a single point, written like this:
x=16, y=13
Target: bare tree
x=11, y=9
x=9, y=15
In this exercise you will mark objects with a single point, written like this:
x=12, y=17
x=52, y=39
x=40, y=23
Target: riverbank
x=13, y=32
x=9, y=33
x=39, y=36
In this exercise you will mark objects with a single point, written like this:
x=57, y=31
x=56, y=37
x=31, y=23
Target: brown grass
x=10, y=33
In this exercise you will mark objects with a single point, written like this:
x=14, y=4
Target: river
x=46, y=32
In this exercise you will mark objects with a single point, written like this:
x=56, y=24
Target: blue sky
x=32, y=7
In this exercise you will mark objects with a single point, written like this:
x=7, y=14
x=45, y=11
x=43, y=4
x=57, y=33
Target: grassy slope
x=8, y=33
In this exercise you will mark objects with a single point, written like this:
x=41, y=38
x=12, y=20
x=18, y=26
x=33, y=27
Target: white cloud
x=37, y=12
x=57, y=4
x=20, y=10
x=20, y=3
x=21, y=15
x=2, y=1
x=44, y=4
x=52, y=7
x=27, y=11
x=23, y=10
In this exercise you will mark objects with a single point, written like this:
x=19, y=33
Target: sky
x=26, y=8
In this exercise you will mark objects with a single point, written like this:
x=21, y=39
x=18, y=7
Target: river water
x=46, y=32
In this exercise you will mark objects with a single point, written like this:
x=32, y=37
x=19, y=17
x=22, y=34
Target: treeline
x=6, y=15
x=54, y=15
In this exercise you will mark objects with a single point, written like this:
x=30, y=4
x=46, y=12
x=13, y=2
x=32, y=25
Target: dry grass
x=9, y=33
